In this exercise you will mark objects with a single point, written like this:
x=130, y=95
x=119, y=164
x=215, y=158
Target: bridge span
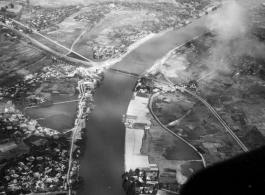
x=124, y=72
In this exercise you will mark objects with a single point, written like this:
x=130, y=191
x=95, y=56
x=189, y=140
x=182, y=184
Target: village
x=24, y=143
x=159, y=17
x=37, y=159
x=46, y=18
x=107, y=40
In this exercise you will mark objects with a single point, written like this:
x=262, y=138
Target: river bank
x=31, y=146
x=103, y=161
x=151, y=147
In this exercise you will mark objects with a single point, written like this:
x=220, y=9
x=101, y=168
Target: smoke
x=231, y=23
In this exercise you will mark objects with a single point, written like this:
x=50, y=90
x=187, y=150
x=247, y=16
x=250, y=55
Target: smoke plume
x=231, y=23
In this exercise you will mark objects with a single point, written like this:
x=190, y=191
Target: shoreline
x=91, y=77
x=79, y=124
x=110, y=62
x=139, y=125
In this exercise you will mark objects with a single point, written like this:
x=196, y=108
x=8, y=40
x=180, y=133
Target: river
x=103, y=161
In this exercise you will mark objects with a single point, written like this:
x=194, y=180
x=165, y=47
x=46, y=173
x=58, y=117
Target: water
x=59, y=117
x=103, y=161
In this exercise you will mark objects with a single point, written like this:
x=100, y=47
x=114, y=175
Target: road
x=81, y=90
x=174, y=134
x=244, y=148
x=69, y=50
x=227, y=128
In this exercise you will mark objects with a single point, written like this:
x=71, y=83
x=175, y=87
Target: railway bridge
x=124, y=72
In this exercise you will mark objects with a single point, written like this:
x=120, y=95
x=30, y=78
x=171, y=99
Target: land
x=100, y=31
x=154, y=147
x=223, y=73
x=36, y=159
x=232, y=84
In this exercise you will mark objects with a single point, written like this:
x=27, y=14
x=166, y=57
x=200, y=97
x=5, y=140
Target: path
x=79, y=117
x=77, y=39
x=227, y=128
x=164, y=127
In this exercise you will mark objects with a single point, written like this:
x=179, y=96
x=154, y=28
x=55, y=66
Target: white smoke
x=229, y=21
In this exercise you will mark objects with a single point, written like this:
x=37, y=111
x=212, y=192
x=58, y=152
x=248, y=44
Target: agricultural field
x=226, y=68
x=16, y=55
x=105, y=29
x=95, y=36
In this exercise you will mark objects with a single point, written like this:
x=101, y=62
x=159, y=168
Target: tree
x=3, y=9
x=137, y=171
x=125, y=176
x=12, y=5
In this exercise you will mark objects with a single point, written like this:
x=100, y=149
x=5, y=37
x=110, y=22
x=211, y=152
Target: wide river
x=103, y=161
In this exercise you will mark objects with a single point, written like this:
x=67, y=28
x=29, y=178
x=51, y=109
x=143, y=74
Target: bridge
x=65, y=102
x=124, y=72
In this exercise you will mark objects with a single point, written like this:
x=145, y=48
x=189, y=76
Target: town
x=100, y=97
x=43, y=161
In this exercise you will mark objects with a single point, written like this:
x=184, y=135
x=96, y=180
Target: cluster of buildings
x=8, y=33
x=14, y=123
x=141, y=182
x=105, y=52
x=42, y=172
x=164, y=16
x=46, y=169
x=44, y=18
x=86, y=87
x=248, y=66
x=22, y=88
x=91, y=17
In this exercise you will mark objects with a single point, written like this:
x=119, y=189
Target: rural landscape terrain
x=198, y=104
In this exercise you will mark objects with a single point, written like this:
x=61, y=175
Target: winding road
x=164, y=127
x=227, y=128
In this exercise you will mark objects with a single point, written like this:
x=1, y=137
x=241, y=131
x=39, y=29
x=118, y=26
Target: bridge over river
x=124, y=72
